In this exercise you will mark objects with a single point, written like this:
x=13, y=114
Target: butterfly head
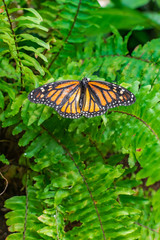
x=85, y=80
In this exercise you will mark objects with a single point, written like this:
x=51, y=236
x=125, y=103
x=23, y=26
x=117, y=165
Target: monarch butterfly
x=72, y=98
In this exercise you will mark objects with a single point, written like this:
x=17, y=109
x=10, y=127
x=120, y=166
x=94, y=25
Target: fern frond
x=23, y=217
x=86, y=176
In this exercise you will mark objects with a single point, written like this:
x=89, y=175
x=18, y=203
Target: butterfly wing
x=100, y=96
x=63, y=96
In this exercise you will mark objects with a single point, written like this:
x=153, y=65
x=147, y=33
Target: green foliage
x=3, y=159
x=85, y=177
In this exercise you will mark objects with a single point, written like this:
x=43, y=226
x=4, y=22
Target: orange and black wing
x=100, y=96
x=63, y=96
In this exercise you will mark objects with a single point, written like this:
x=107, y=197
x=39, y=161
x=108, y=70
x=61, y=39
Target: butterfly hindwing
x=63, y=96
x=70, y=107
x=91, y=104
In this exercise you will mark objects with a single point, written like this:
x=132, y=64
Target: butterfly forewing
x=100, y=96
x=112, y=95
x=63, y=96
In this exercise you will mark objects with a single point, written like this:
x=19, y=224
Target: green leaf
x=1, y=100
x=31, y=25
x=124, y=18
x=16, y=105
x=7, y=88
x=30, y=61
x=11, y=121
x=134, y=3
x=34, y=39
x=46, y=113
x=3, y=159
x=27, y=137
x=32, y=10
x=36, y=52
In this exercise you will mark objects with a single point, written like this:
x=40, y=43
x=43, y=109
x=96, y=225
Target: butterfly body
x=72, y=98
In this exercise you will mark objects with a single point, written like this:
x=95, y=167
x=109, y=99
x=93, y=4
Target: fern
x=84, y=177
